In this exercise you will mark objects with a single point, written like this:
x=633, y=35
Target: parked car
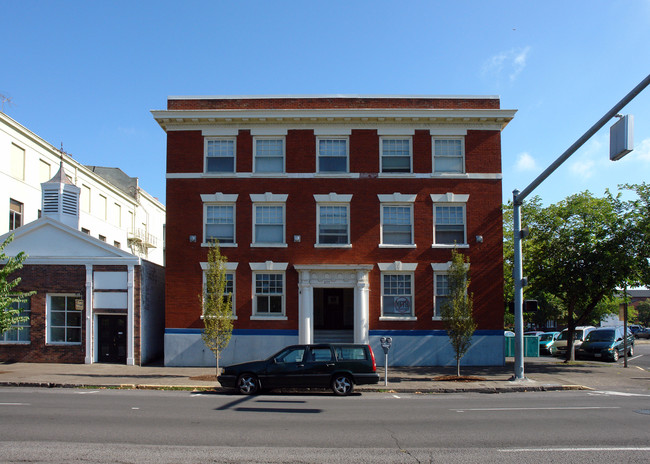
x=533, y=333
x=335, y=366
x=634, y=328
x=606, y=343
x=546, y=342
x=643, y=333
x=560, y=343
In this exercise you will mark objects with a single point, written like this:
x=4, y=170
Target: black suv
x=335, y=366
x=606, y=342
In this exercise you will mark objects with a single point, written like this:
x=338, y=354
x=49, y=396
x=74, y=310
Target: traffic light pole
x=518, y=199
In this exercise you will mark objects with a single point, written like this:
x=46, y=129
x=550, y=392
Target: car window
x=601, y=336
x=293, y=355
x=344, y=353
x=545, y=337
x=321, y=354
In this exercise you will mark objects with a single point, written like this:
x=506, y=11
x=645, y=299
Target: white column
x=361, y=308
x=130, y=319
x=90, y=346
x=305, y=309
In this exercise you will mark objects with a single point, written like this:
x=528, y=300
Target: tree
x=456, y=312
x=9, y=316
x=584, y=249
x=217, y=305
x=643, y=312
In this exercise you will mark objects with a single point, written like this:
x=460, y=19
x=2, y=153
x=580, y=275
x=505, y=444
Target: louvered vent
x=50, y=202
x=70, y=202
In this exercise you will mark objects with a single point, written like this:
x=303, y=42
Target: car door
x=320, y=365
x=287, y=368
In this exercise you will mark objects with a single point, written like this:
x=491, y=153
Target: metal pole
x=386, y=370
x=519, y=291
x=625, y=327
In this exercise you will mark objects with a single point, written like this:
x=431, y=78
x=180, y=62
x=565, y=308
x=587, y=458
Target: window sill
x=398, y=318
x=386, y=245
x=319, y=245
x=269, y=318
x=449, y=174
x=397, y=174
x=349, y=175
x=436, y=318
x=269, y=245
x=14, y=343
x=233, y=318
x=63, y=344
x=221, y=245
x=450, y=246
x=269, y=174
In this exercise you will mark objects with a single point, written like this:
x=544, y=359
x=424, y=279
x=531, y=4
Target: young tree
x=643, y=312
x=217, y=305
x=456, y=313
x=8, y=296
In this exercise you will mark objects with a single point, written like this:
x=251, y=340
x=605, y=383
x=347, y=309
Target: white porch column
x=305, y=309
x=90, y=346
x=130, y=319
x=361, y=308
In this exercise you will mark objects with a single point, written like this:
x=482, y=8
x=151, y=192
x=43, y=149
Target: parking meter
x=386, y=343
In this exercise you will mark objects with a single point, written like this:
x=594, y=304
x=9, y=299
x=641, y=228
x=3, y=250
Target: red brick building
x=338, y=216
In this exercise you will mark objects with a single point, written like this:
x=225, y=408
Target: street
x=61, y=425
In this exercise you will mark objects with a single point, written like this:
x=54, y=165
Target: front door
x=111, y=339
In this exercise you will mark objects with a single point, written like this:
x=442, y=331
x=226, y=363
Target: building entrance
x=111, y=334
x=333, y=315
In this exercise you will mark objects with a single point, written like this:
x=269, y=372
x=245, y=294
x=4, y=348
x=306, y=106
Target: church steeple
x=60, y=199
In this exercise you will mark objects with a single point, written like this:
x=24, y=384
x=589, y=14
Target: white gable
x=46, y=241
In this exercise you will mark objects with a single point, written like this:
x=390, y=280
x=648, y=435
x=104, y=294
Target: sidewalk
x=542, y=374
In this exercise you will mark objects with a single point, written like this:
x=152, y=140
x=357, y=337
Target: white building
x=113, y=208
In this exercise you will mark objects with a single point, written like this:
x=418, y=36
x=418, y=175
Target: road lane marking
x=395, y=396
x=15, y=404
x=615, y=393
x=564, y=450
x=555, y=408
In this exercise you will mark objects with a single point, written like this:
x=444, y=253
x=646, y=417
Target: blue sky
x=87, y=73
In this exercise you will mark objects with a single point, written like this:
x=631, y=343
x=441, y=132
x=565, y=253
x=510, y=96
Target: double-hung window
x=268, y=154
x=449, y=154
x=397, y=290
x=332, y=154
x=229, y=289
x=220, y=155
x=449, y=219
x=333, y=219
x=20, y=331
x=15, y=214
x=440, y=293
x=219, y=214
x=396, y=154
x=269, y=219
x=63, y=320
x=397, y=219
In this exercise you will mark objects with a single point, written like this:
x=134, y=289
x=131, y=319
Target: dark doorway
x=111, y=339
x=333, y=314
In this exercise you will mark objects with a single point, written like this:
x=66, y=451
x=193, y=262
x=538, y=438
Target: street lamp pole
x=518, y=199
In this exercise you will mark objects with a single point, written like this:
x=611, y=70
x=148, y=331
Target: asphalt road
x=64, y=425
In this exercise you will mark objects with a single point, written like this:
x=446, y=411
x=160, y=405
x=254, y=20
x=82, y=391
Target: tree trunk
x=217, y=356
x=458, y=367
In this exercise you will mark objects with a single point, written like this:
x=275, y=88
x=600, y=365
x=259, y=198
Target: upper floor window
x=448, y=154
x=17, y=162
x=15, y=214
x=395, y=154
x=440, y=293
x=269, y=219
x=63, y=320
x=269, y=154
x=220, y=224
x=44, y=171
x=85, y=198
x=397, y=219
x=333, y=216
x=332, y=154
x=220, y=155
x=397, y=295
x=19, y=332
x=229, y=287
x=449, y=219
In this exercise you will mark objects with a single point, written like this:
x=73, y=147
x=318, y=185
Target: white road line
x=15, y=404
x=86, y=392
x=614, y=393
x=555, y=408
x=395, y=396
x=564, y=450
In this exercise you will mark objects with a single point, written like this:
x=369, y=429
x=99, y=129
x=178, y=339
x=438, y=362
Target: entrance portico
x=333, y=276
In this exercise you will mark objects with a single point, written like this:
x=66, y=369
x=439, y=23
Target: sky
x=86, y=74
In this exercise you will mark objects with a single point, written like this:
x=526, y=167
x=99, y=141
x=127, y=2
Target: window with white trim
x=332, y=154
x=268, y=154
x=220, y=155
x=268, y=226
x=219, y=223
x=449, y=154
x=63, y=320
x=15, y=214
x=229, y=289
x=333, y=224
x=397, y=224
x=17, y=162
x=449, y=224
x=440, y=292
x=269, y=294
x=397, y=294
x=396, y=154
x=21, y=331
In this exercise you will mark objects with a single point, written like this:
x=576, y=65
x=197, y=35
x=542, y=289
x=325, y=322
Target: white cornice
x=331, y=96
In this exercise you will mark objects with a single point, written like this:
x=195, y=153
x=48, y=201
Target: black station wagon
x=335, y=366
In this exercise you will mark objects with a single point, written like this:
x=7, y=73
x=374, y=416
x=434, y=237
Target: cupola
x=61, y=199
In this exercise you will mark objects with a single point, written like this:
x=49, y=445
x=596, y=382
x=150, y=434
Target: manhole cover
x=643, y=411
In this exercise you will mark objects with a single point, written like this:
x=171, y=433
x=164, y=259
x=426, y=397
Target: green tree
x=217, y=305
x=583, y=249
x=643, y=312
x=9, y=316
x=457, y=317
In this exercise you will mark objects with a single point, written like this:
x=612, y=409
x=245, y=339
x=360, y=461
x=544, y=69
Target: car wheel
x=615, y=356
x=342, y=385
x=630, y=353
x=247, y=384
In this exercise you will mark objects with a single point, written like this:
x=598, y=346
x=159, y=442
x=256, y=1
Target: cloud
x=512, y=62
x=642, y=151
x=525, y=162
